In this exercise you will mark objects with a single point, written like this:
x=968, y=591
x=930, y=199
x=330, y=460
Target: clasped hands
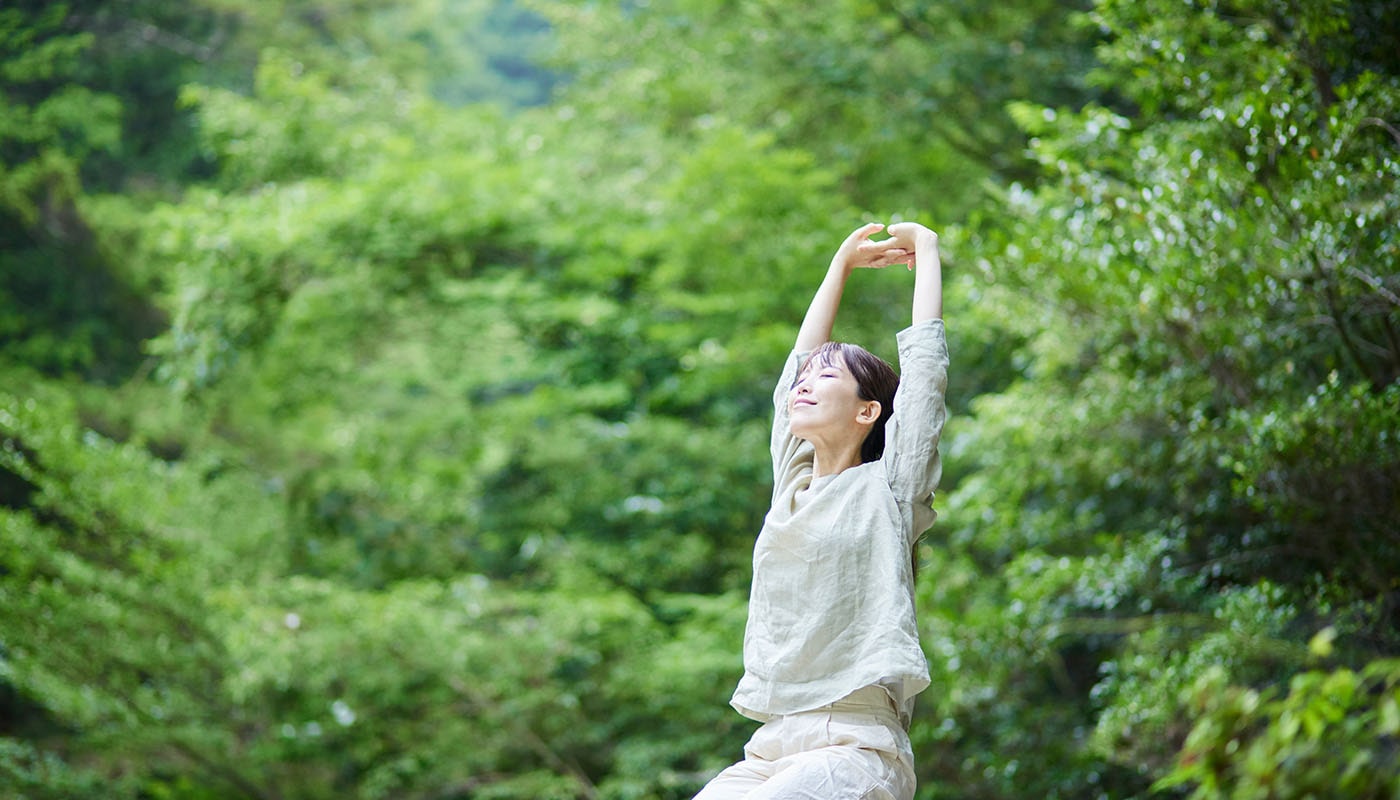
x=859, y=251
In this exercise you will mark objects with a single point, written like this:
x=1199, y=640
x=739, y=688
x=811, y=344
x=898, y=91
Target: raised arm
x=855, y=252
x=912, y=461
x=928, y=268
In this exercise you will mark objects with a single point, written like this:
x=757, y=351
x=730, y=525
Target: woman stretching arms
x=831, y=652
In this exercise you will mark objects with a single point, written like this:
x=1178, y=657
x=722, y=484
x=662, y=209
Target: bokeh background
x=384, y=386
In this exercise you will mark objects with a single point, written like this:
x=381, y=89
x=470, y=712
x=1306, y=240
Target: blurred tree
x=443, y=476
x=92, y=97
x=61, y=309
x=906, y=102
x=155, y=657
x=1334, y=730
x=109, y=635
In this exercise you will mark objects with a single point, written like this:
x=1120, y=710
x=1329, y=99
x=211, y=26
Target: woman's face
x=825, y=399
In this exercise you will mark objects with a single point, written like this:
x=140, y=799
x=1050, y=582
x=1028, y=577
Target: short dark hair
x=875, y=380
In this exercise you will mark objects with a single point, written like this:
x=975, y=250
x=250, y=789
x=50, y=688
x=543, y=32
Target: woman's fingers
x=861, y=235
x=909, y=233
x=882, y=254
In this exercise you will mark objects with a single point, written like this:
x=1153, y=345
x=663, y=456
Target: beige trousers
x=853, y=749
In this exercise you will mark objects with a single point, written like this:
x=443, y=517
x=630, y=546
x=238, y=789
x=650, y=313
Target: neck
x=830, y=460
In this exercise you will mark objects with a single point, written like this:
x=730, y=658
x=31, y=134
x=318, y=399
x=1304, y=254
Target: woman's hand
x=928, y=276
x=859, y=252
x=909, y=237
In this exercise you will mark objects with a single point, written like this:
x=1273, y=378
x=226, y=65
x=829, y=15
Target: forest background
x=384, y=386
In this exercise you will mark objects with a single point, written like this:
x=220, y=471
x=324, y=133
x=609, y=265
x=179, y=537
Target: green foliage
x=1334, y=730
x=102, y=595
x=464, y=51
x=905, y=100
x=33, y=774
x=50, y=124
x=376, y=425
x=113, y=628
x=69, y=316
x=1198, y=442
x=1316, y=483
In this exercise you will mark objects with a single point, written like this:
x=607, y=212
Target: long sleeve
x=787, y=450
x=912, y=463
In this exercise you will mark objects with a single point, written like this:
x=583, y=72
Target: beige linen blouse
x=831, y=609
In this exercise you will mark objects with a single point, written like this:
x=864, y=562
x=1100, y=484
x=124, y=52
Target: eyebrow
x=824, y=362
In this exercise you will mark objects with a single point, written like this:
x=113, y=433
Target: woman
x=831, y=651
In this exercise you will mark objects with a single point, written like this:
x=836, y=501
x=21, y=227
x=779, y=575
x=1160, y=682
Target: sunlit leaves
x=1333, y=729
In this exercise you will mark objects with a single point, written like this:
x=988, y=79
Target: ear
x=869, y=413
